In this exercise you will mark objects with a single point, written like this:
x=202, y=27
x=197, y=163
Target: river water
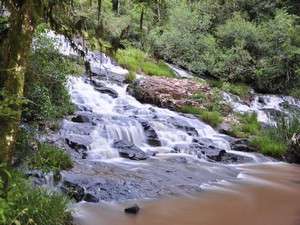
x=265, y=194
x=259, y=192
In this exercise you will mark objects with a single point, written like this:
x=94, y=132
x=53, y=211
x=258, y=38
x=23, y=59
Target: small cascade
x=124, y=118
x=267, y=106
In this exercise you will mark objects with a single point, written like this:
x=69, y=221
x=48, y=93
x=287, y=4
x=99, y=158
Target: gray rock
x=78, y=142
x=293, y=152
x=109, y=91
x=81, y=119
x=129, y=150
x=224, y=128
x=134, y=209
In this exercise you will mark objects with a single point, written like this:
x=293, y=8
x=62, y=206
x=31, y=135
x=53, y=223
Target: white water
x=268, y=103
x=119, y=121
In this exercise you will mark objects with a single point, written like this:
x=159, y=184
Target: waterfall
x=122, y=118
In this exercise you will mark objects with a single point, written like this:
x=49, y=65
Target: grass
x=130, y=76
x=274, y=141
x=22, y=203
x=135, y=60
x=248, y=125
x=49, y=158
x=212, y=118
x=234, y=88
x=268, y=146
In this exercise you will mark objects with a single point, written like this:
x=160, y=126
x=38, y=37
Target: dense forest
x=254, y=42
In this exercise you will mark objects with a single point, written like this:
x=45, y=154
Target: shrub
x=24, y=204
x=49, y=158
x=274, y=140
x=295, y=92
x=45, y=85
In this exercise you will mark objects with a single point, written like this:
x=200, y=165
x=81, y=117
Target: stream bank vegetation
x=46, y=99
x=137, y=61
x=274, y=140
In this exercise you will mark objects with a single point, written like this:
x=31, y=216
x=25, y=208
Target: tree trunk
x=158, y=10
x=115, y=4
x=142, y=20
x=14, y=56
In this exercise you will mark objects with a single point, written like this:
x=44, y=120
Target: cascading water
x=266, y=105
x=107, y=114
x=122, y=118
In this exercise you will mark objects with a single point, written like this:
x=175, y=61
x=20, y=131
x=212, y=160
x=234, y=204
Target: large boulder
x=166, y=92
x=128, y=150
x=293, y=152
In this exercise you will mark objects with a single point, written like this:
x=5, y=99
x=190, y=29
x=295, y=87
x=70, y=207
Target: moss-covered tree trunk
x=15, y=50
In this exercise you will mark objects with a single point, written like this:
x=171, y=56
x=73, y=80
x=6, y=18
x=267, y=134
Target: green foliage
x=285, y=127
x=239, y=89
x=157, y=69
x=248, y=125
x=24, y=204
x=39, y=156
x=130, y=76
x=251, y=42
x=23, y=148
x=8, y=104
x=295, y=92
x=135, y=60
x=274, y=140
x=268, y=146
x=278, y=66
x=45, y=85
x=235, y=88
x=49, y=158
x=131, y=58
x=212, y=118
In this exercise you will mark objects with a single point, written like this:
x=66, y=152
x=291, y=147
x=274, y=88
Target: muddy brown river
x=264, y=194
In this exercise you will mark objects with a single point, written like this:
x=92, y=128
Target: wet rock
x=238, y=141
x=152, y=138
x=78, y=142
x=77, y=128
x=109, y=91
x=293, y=152
x=233, y=158
x=261, y=100
x=90, y=198
x=96, y=188
x=182, y=125
x=129, y=150
x=214, y=154
x=224, y=128
x=150, y=153
x=178, y=159
x=73, y=189
x=285, y=105
x=96, y=82
x=80, y=119
x=243, y=148
x=134, y=209
x=38, y=177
